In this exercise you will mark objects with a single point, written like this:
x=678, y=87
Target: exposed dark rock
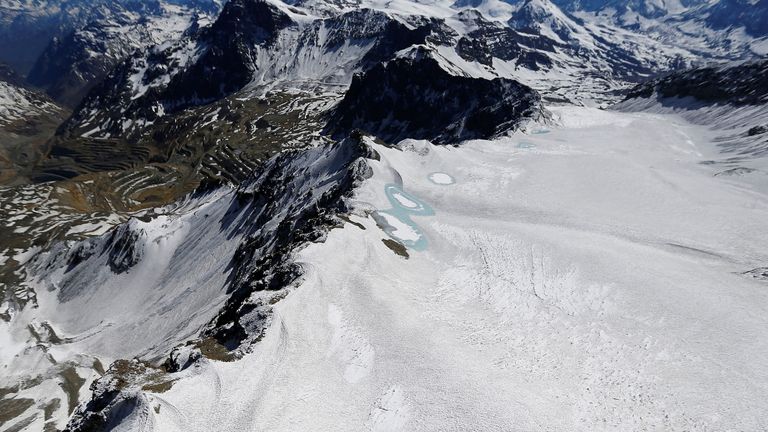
x=262, y=123
x=735, y=172
x=415, y=97
x=224, y=67
x=80, y=253
x=760, y=273
x=757, y=130
x=286, y=213
x=227, y=64
x=489, y=40
x=124, y=248
x=742, y=84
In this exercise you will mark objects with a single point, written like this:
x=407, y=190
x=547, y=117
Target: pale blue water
x=403, y=213
x=420, y=208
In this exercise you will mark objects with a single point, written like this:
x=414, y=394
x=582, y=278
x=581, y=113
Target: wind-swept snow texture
x=592, y=279
x=729, y=99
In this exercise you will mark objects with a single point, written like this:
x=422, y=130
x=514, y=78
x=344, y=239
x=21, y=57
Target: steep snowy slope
x=589, y=277
x=205, y=270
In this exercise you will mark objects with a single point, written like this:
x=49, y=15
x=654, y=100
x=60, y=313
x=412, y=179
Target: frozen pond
x=441, y=178
x=397, y=222
x=406, y=202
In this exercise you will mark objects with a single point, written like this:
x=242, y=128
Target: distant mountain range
x=67, y=47
x=64, y=46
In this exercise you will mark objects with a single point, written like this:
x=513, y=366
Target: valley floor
x=588, y=276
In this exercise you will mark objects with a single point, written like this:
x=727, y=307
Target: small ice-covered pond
x=441, y=178
x=397, y=222
x=401, y=228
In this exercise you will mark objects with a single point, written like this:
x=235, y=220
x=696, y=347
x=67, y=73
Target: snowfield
x=586, y=277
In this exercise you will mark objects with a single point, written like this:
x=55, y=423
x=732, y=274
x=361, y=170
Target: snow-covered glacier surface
x=590, y=276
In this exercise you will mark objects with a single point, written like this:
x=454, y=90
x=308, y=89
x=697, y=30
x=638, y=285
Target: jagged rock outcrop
x=294, y=200
x=738, y=84
x=489, y=40
x=125, y=247
x=417, y=96
x=209, y=65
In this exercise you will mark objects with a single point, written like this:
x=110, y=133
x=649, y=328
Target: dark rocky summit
x=416, y=97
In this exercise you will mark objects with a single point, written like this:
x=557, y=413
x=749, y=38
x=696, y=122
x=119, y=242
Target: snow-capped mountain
x=626, y=8
x=610, y=51
x=260, y=51
x=27, y=27
x=289, y=46
x=729, y=29
x=72, y=64
x=385, y=215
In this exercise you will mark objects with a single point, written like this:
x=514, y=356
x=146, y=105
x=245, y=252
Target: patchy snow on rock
x=18, y=103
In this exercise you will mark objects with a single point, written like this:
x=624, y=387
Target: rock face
x=72, y=64
x=295, y=199
x=124, y=248
x=30, y=27
x=415, y=96
x=207, y=65
x=744, y=84
x=227, y=63
x=490, y=40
